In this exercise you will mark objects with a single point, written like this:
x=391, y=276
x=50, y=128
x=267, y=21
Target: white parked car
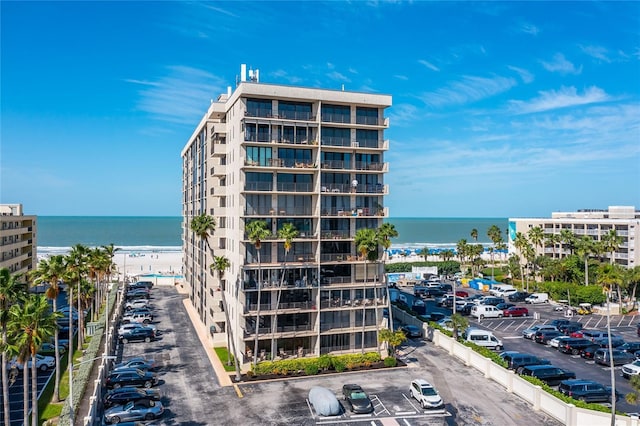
x=557, y=341
x=424, y=392
x=632, y=369
x=130, y=326
x=138, y=303
x=43, y=363
x=486, y=311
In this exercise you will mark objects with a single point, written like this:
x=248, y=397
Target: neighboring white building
x=594, y=223
x=17, y=239
x=306, y=156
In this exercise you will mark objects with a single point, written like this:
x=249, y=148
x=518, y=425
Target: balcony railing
x=371, y=121
x=336, y=280
x=259, y=112
x=258, y=186
x=363, y=165
x=299, y=284
x=259, y=211
x=335, y=164
x=336, y=188
x=377, y=188
x=294, y=187
x=335, y=234
x=295, y=115
x=335, y=211
x=336, y=118
x=278, y=162
x=337, y=257
x=333, y=141
x=292, y=211
x=252, y=307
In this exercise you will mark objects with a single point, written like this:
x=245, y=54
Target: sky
x=500, y=109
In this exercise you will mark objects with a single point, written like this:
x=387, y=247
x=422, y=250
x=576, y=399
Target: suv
x=574, y=345
x=132, y=377
x=425, y=394
x=141, y=334
x=543, y=336
x=518, y=360
x=493, y=301
x=601, y=356
x=518, y=296
x=586, y=390
x=571, y=327
x=549, y=374
x=137, y=317
x=529, y=333
x=632, y=369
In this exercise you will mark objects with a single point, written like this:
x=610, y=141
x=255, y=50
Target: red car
x=516, y=311
x=460, y=293
x=579, y=333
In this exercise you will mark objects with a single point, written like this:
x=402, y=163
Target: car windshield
x=129, y=406
x=429, y=391
x=358, y=395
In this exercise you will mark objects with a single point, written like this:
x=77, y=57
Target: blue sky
x=499, y=109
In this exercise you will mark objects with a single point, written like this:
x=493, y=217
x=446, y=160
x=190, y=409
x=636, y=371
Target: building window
x=336, y=113
x=366, y=116
x=259, y=107
x=294, y=110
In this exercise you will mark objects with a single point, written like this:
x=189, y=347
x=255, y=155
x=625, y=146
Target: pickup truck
x=137, y=317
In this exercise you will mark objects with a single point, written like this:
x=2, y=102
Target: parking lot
x=192, y=395
x=509, y=330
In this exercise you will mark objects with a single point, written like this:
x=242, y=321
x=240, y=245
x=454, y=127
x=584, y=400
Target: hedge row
x=567, y=399
x=312, y=366
x=444, y=268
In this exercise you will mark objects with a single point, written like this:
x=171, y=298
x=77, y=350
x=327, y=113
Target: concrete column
x=487, y=368
x=467, y=356
x=571, y=415
x=536, y=398
x=510, y=377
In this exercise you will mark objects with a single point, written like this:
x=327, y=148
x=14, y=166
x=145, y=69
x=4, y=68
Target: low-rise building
x=17, y=239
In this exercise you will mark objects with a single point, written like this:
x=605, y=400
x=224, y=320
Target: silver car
x=139, y=410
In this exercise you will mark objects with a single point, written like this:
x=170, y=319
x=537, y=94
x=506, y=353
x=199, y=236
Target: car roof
x=422, y=383
x=580, y=382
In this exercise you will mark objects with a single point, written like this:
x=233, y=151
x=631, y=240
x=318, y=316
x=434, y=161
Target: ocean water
x=57, y=233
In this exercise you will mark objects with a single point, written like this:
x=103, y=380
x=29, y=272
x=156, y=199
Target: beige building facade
x=18, y=242
x=625, y=220
x=310, y=157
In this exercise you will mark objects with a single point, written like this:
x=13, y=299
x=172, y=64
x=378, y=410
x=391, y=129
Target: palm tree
x=51, y=271
x=567, y=238
x=474, y=234
x=609, y=275
x=536, y=237
x=76, y=267
x=221, y=264
x=110, y=252
x=585, y=247
x=462, y=249
x=610, y=243
x=553, y=240
x=203, y=225
x=521, y=244
x=386, y=232
x=424, y=252
x=287, y=233
x=256, y=232
x=495, y=235
x=11, y=289
x=366, y=243
x=32, y=323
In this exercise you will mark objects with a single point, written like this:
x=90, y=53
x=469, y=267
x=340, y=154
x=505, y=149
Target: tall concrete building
x=17, y=239
x=625, y=220
x=309, y=157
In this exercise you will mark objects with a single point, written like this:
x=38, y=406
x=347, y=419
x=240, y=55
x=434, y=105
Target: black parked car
x=570, y=327
x=141, y=284
x=558, y=322
x=574, y=345
x=140, y=334
x=446, y=287
x=493, y=301
x=586, y=390
x=128, y=393
x=517, y=361
x=432, y=292
x=601, y=356
x=589, y=351
x=137, y=294
x=133, y=377
x=544, y=336
x=631, y=347
x=357, y=399
x=518, y=296
x=549, y=374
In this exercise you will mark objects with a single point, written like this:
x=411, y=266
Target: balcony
x=335, y=165
x=336, y=118
x=258, y=186
x=283, y=308
x=218, y=149
x=294, y=187
x=277, y=162
x=376, y=188
x=281, y=331
x=372, y=121
x=338, y=257
x=338, y=188
x=335, y=235
x=374, y=167
x=300, y=284
x=333, y=141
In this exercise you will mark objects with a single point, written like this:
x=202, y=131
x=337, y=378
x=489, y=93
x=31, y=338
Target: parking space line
x=384, y=409
x=630, y=321
x=410, y=402
x=599, y=322
x=501, y=322
x=588, y=322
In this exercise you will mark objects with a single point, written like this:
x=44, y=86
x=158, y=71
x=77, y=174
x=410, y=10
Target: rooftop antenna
x=343, y=87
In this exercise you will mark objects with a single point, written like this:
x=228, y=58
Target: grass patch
x=223, y=355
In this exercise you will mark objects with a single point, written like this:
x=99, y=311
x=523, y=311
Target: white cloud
x=525, y=75
x=402, y=114
x=335, y=75
x=564, y=98
x=283, y=75
x=529, y=29
x=401, y=77
x=468, y=89
x=561, y=65
x=428, y=65
x=182, y=96
x=597, y=52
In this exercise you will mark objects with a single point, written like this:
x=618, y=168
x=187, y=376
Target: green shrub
x=324, y=362
x=338, y=365
x=311, y=369
x=390, y=361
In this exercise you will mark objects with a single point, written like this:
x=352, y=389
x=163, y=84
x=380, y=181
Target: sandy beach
x=138, y=263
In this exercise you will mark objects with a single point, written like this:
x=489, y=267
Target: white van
x=537, y=298
x=498, y=288
x=486, y=311
x=483, y=338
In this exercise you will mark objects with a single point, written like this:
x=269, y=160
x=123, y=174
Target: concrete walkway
x=224, y=377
